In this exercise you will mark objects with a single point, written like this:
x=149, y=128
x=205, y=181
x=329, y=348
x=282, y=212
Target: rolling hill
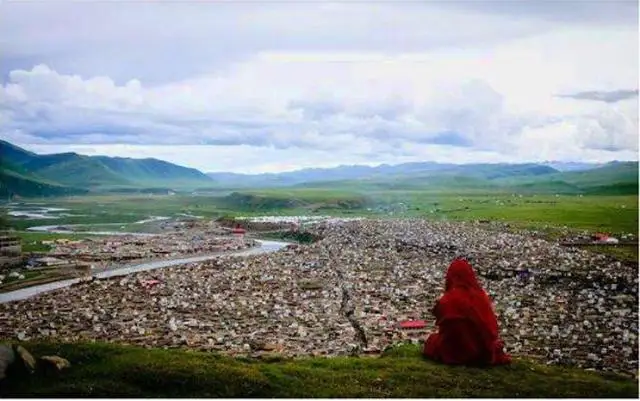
x=28, y=174
x=575, y=178
x=610, y=179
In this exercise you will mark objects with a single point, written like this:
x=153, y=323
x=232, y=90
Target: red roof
x=238, y=230
x=150, y=283
x=413, y=324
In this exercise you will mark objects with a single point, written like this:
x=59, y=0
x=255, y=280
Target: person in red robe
x=467, y=326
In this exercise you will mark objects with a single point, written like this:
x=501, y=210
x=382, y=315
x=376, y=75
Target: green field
x=553, y=215
x=614, y=214
x=32, y=241
x=108, y=370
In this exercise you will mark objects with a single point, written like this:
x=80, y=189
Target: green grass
x=32, y=278
x=615, y=214
x=32, y=241
x=108, y=370
x=622, y=253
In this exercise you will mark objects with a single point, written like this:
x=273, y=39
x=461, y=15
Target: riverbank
x=110, y=370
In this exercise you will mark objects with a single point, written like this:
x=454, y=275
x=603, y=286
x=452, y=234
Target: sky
x=270, y=86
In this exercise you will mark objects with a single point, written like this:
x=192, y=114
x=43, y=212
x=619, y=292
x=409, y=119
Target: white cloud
x=306, y=103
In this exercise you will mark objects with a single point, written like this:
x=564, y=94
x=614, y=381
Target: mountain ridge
x=26, y=173
x=360, y=172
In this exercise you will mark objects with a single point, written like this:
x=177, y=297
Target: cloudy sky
x=254, y=86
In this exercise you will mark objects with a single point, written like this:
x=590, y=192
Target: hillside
x=12, y=183
x=110, y=370
x=30, y=174
x=615, y=178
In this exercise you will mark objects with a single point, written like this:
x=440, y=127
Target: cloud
x=586, y=13
x=351, y=84
x=165, y=41
x=604, y=96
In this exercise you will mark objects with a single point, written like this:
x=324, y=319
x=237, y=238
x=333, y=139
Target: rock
x=269, y=347
x=55, y=361
x=27, y=358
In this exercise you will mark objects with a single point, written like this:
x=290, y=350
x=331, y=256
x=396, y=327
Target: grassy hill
x=62, y=173
x=109, y=370
x=618, y=178
x=27, y=185
x=612, y=178
x=282, y=199
x=74, y=169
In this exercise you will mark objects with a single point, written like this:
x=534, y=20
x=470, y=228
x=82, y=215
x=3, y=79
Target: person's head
x=461, y=275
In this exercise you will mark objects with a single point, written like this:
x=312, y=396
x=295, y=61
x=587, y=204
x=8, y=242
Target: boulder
x=28, y=360
x=55, y=362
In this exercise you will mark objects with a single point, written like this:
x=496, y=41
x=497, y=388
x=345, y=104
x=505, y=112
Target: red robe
x=467, y=326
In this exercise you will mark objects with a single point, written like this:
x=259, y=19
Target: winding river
x=24, y=293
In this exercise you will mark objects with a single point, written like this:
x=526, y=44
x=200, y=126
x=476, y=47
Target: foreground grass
x=108, y=370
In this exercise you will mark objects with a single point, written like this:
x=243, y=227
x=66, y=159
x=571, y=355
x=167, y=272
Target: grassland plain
x=110, y=370
x=552, y=215
x=610, y=213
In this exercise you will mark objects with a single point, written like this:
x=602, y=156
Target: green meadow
x=110, y=370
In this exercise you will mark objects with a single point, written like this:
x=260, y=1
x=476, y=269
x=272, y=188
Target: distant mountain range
x=572, y=166
x=549, y=177
x=28, y=174
x=382, y=172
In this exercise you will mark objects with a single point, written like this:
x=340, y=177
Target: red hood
x=461, y=275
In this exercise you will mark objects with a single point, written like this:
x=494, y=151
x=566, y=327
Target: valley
x=331, y=269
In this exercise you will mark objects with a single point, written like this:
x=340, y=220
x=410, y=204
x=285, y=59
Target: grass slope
x=152, y=170
x=76, y=170
x=15, y=183
x=619, y=178
x=13, y=154
x=108, y=370
x=616, y=178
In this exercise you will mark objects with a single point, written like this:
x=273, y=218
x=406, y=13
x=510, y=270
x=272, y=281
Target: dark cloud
x=603, y=96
